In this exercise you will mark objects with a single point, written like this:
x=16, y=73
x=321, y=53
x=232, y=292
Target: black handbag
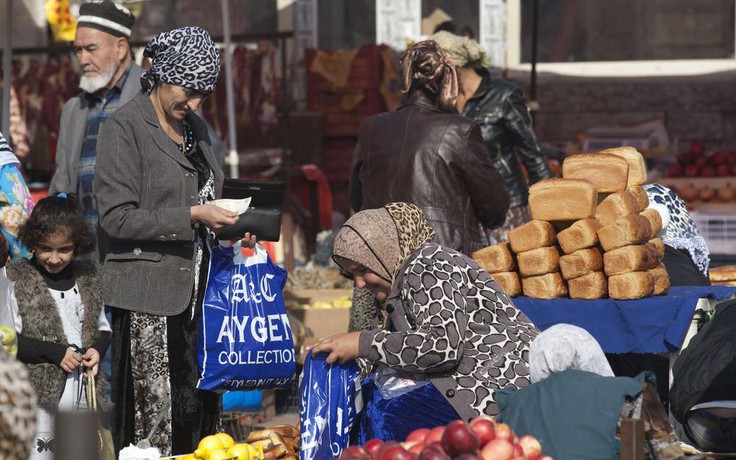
x=263, y=217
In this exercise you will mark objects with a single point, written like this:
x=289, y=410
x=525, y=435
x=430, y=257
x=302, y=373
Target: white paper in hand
x=234, y=205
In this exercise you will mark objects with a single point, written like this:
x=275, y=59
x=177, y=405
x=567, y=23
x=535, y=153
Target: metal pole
x=7, y=67
x=232, y=157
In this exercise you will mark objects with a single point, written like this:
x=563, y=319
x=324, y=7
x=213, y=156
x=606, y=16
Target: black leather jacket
x=436, y=160
x=506, y=126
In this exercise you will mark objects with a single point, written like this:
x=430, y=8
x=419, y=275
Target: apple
x=723, y=170
x=484, y=429
x=433, y=451
x=504, y=431
x=531, y=446
x=468, y=456
x=395, y=452
x=381, y=452
x=372, y=447
x=497, y=449
x=417, y=448
x=707, y=171
x=418, y=435
x=674, y=170
x=691, y=170
x=518, y=451
x=459, y=438
x=355, y=453
x=435, y=435
x=717, y=158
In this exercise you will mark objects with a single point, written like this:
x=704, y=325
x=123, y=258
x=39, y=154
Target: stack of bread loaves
x=606, y=234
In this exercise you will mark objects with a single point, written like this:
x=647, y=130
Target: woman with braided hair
x=426, y=154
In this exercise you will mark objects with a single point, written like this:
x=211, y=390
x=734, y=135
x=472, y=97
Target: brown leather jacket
x=435, y=160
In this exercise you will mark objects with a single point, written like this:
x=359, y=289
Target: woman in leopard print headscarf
x=444, y=322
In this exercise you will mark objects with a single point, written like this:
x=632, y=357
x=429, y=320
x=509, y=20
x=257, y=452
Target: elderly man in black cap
x=109, y=79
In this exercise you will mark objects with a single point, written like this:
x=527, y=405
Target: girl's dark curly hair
x=58, y=214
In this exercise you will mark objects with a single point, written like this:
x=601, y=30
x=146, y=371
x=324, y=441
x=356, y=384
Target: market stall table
x=656, y=324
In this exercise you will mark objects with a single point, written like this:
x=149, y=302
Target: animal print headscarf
x=17, y=410
x=185, y=57
x=463, y=50
x=381, y=239
x=681, y=232
x=425, y=65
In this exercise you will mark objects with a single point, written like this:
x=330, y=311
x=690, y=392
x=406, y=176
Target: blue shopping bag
x=331, y=400
x=245, y=340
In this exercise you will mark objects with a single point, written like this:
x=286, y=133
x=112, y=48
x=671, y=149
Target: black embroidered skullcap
x=109, y=17
x=185, y=57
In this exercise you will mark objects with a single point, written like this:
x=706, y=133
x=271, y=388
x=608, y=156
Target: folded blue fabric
x=656, y=324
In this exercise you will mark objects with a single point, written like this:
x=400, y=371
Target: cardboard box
x=318, y=322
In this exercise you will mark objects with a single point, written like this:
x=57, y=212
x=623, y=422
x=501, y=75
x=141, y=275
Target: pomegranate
x=674, y=170
x=723, y=170
x=458, y=439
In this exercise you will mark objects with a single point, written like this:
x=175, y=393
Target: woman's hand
x=213, y=217
x=248, y=241
x=91, y=360
x=71, y=361
x=341, y=347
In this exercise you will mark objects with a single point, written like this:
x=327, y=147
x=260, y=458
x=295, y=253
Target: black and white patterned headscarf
x=185, y=57
x=680, y=231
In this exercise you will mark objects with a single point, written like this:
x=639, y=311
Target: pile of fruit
x=696, y=162
x=278, y=442
x=481, y=439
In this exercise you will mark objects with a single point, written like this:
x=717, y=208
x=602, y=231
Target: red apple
x=674, y=170
x=503, y=431
x=484, y=429
x=468, y=456
x=372, y=447
x=707, y=171
x=435, y=435
x=518, y=451
x=418, y=435
x=396, y=452
x=531, y=446
x=497, y=449
x=691, y=170
x=433, y=451
x=355, y=453
x=417, y=448
x=380, y=454
x=723, y=170
x=458, y=439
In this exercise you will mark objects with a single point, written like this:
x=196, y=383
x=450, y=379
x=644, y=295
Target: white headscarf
x=562, y=347
x=6, y=153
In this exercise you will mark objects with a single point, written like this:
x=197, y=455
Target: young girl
x=56, y=302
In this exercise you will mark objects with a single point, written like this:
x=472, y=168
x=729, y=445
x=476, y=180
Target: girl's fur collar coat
x=41, y=321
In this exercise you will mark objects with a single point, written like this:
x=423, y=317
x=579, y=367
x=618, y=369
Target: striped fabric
x=100, y=109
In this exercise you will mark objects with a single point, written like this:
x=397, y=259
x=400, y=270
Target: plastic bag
x=245, y=340
x=393, y=382
x=331, y=400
